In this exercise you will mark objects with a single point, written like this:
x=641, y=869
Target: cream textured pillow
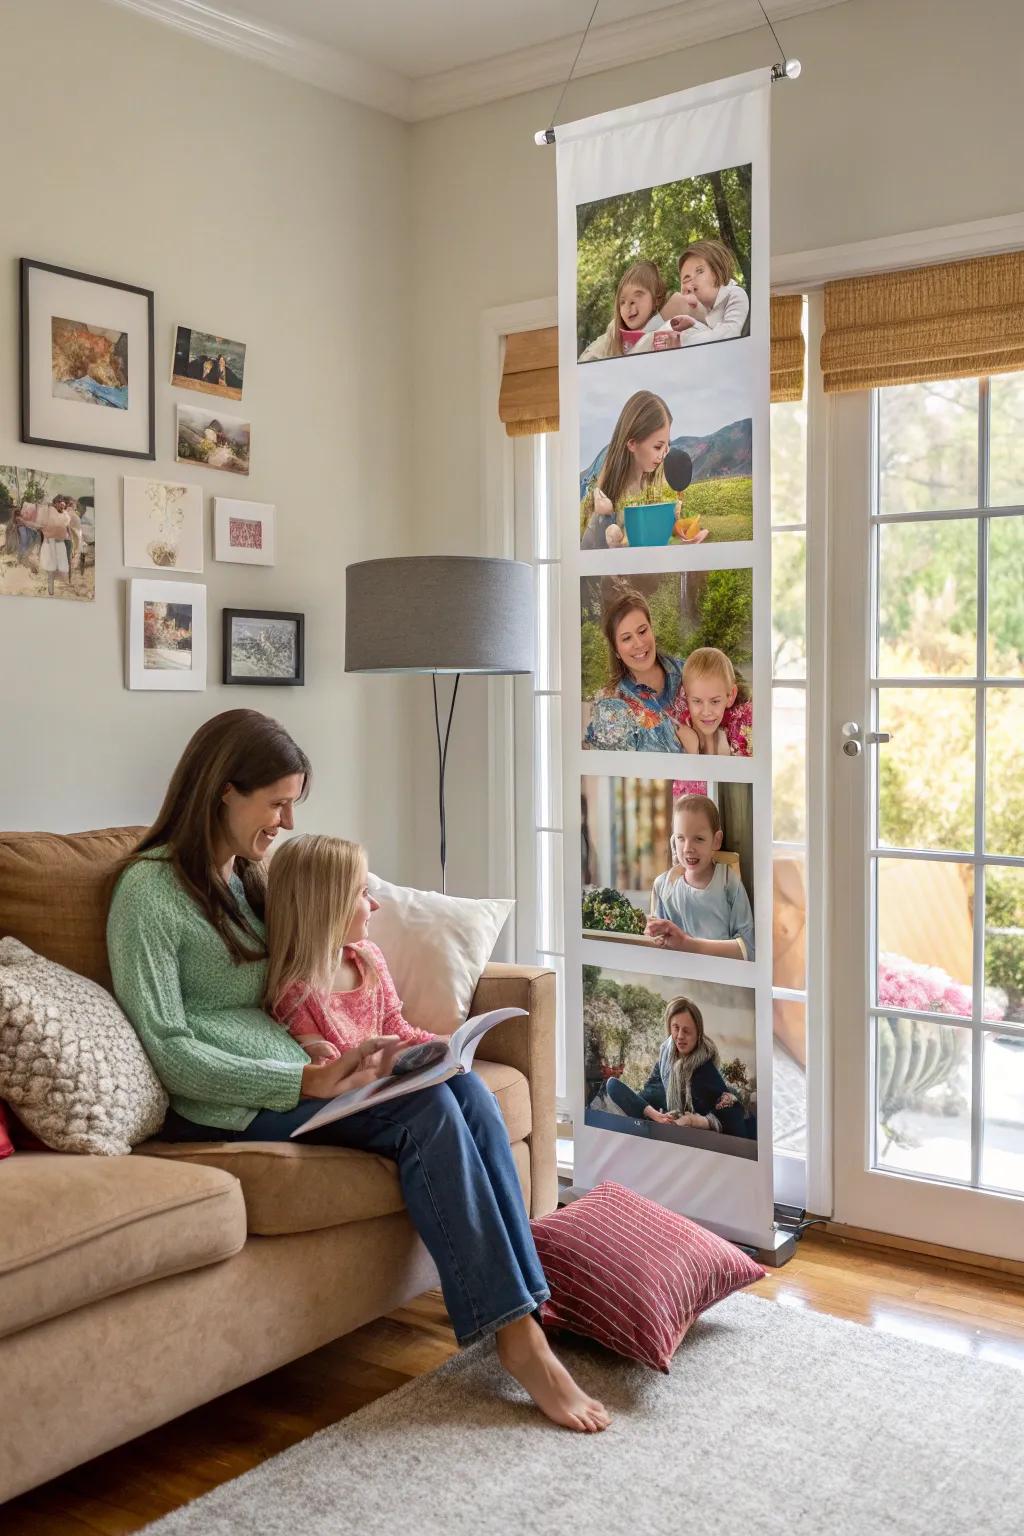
x=435, y=946
x=71, y=1065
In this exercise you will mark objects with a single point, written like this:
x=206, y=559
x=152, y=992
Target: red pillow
x=6, y=1144
x=632, y=1275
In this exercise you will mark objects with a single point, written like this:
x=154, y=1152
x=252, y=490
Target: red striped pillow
x=632, y=1275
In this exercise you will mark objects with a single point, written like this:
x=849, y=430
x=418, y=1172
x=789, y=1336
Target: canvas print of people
x=90, y=364
x=218, y=442
x=670, y=463
x=670, y=1060
x=666, y=662
x=668, y=864
x=212, y=364
x=664, y=267
x=47, y=534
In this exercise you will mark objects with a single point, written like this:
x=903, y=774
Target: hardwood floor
x=922, y=1298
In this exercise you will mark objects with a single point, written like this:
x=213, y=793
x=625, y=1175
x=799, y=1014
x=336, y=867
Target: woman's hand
x=665, y=934
x=688, y=739
x=325, y=1079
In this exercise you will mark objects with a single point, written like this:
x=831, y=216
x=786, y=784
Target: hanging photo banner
x=663, y=386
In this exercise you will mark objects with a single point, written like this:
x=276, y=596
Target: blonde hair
x=707, y=661
x=701, y=805
x=642, y=274
x=718, y=256
x=641, y=416
x=312, y=890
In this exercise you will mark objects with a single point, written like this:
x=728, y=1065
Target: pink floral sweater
x=344, y=1019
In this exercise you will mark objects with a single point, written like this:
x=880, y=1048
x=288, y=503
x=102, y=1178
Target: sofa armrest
x=528, y=1044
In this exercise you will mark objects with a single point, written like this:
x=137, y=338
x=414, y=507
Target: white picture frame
x=163, y=525
x=244, y=532
x=159, y=658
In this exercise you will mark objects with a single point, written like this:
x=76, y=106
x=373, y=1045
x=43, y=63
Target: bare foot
x=526, y=1354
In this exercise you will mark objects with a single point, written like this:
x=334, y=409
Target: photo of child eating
x=668, y=869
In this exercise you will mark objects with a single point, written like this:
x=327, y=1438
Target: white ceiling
x=422, y=58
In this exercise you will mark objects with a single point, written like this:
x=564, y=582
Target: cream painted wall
x=259, y=208
x=906, y=117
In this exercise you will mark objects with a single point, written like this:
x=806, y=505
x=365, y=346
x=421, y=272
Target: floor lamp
x=440, y=614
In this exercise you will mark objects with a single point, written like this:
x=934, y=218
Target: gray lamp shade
x=439, y=613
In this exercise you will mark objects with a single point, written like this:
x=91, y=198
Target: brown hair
x=642, y=274
x=641, y=416
x=248, y=750
x=684, y=1005
x=610, y=621
x=718, y=256
x=312, y=889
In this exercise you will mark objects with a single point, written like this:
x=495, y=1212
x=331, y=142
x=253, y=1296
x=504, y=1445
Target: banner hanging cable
x=787, y=69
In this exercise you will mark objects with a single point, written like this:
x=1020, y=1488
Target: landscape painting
x=90, y=363
x=219, y=442
x=212, y=364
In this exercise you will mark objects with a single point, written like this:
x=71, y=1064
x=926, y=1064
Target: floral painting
x=163, y=525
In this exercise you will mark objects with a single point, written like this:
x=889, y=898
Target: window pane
x=923, y=1098
x=926, y=772
x=789, y=920
x=545, y=522
x=789, y=605
x=1006, y=596
x=547, y=769
x=550, y=931
x=548, y=674
x=1004, y=775
x=789, y=1082
x=928, y=446
x=925, y=936
x=1002, y=1130
x=1004, y=943
x=928, y=599
x=1007, y=441
x=789, y=462
x=789, y=765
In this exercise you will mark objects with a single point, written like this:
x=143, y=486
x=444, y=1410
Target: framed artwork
x=206, y=438
x=166, y=647
x=47, y=534
x=212, y=364
x=244, y=531
x=163, y=525
x=264, y=647
x=87, y=377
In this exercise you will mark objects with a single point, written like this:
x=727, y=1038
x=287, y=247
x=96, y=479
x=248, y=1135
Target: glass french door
x=926, y=745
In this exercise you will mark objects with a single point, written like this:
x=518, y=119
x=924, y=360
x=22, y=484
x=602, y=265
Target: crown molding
x=665, y=30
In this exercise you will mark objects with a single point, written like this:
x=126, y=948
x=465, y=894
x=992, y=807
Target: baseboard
x=956, y=1258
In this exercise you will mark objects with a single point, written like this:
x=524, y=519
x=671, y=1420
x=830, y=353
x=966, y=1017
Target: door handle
x=854, y=738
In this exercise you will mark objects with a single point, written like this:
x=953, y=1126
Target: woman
x=186, y=942
x=643, y=707
x=686, y=1086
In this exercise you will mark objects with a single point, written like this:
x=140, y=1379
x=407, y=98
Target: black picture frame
x=263, y=680
x=27, y=266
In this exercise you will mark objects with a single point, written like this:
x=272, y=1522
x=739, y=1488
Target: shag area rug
x=773, y=1421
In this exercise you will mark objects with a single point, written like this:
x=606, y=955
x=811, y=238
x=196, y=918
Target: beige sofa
x=134, y=1288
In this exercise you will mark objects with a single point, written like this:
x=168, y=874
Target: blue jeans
x=460, y=1186
x=622, y=1095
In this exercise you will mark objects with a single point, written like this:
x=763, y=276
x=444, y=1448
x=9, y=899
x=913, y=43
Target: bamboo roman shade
x=528, y=399
x=942, y=322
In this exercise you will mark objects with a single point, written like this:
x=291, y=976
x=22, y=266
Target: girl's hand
x=614, y=536
x=665, y=934
x=682, y=322
x=320, y=1050
x=325, y=1079
x=659, y=1116
x=602, y=502
x=695, y=1122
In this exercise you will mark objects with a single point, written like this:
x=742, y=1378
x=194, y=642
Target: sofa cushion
x=55, y=890
x=291, y=1187
x=76, y=1229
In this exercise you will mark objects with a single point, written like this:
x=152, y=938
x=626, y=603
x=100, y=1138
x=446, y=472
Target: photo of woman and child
x=669, y=865
x=669, y=1064
x=696, y=229
x=653, y=680
x=623, y=453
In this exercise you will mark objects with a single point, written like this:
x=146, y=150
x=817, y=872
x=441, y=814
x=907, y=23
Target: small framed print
x=163, y=525
x=244, y=531
x=87, y=377
x=167, y=636
x=264, y=647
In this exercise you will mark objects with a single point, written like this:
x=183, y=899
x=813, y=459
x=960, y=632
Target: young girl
x=326, y=983
x=699, y=906
x=710, y=305
x=686, y=1086
x=638, y=300
x=716, y=720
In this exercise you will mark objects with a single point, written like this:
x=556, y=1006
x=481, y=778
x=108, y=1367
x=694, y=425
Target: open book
x=458, y=1057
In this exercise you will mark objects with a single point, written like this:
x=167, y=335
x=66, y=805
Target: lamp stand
x=442, y=760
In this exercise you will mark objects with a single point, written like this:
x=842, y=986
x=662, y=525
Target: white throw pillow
x=71, y=1066
x=435, y=946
